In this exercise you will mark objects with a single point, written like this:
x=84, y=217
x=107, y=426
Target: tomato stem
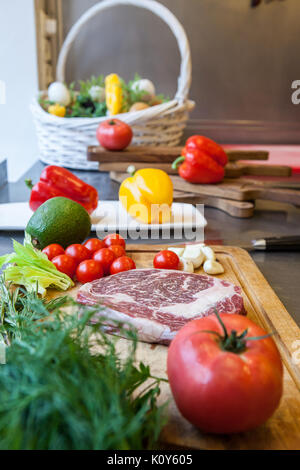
x=236, y=343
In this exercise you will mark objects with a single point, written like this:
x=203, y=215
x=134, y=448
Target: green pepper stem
x=177, y=161
x=29, y=183
x=131, y=170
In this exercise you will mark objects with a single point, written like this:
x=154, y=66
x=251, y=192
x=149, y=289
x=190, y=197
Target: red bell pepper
x=202, y=161
x=59, y=182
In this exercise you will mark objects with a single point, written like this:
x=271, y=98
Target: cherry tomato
x=114, y=239
x=88, y=271
x=166, y=259
x=105, y=257
x=117, y=250
x=94, y=244
x=114, y=134
x=122, y=264
x=53, y=250
x=65, y=264
x=78, y=252
x=224, y=386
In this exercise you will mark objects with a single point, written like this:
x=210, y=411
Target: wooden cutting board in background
x=162, y=157
x=282, y=430
x=152, y=154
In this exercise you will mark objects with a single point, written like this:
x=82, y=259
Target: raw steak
x=158, y=302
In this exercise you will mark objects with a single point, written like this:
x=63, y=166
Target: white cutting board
x=109, y=216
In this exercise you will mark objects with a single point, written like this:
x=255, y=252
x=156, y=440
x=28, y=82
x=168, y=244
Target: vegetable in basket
x=114, y=94
x=56, y=181
x=148, y=195
x=57, y=110
x=202, y=161
x=98, y=97
x=59, y=93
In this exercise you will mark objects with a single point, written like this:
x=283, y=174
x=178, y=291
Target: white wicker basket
x=63, y=141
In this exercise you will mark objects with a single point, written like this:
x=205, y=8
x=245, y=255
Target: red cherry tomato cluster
x=92, y=260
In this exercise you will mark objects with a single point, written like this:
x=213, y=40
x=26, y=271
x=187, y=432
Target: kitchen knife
x=284, y=243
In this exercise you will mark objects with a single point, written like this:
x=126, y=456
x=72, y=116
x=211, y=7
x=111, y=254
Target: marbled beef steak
x=158, y=302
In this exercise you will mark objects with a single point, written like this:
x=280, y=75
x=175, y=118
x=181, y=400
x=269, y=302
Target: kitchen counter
x=282, y=270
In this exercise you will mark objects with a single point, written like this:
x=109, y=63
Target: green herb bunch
x=65, y=386
x=83, y=105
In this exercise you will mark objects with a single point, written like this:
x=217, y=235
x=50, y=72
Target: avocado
x=59, y=220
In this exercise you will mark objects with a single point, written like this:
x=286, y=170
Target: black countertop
x=282, y=270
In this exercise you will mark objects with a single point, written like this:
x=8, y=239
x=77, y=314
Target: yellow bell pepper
x=148, y=196
x=57, y=110
x=113, y=94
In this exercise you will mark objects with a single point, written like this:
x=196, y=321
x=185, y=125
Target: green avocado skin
x=59, y=220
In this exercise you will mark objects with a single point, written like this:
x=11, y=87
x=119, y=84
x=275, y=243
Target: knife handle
x=289, y=243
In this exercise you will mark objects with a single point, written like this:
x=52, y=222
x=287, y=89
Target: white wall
x=18, y=70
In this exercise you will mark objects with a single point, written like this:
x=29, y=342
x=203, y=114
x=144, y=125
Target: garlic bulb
x=59, y=93
x=146, y=86
x=97, y=93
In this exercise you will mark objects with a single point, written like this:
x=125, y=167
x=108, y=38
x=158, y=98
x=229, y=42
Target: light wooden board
x=282, y=431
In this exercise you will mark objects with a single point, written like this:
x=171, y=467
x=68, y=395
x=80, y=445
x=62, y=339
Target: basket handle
x=185, y=77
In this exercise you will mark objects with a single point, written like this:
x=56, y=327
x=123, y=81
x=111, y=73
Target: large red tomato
x=224, y=382
x=114, y=134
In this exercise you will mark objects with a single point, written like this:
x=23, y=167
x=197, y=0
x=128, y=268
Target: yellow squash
x=113, y=93
x=148, y=196
x=57, y=110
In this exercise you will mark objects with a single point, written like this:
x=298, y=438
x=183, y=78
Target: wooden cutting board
x=240, y=189
x=282, y=431
x=158, y=154
x=162, y=158
x=232, y=170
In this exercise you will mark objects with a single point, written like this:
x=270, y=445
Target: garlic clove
x=194, y=254
x=178, y=250
x=185, y=265
x=213, y=267
x=208, y=253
